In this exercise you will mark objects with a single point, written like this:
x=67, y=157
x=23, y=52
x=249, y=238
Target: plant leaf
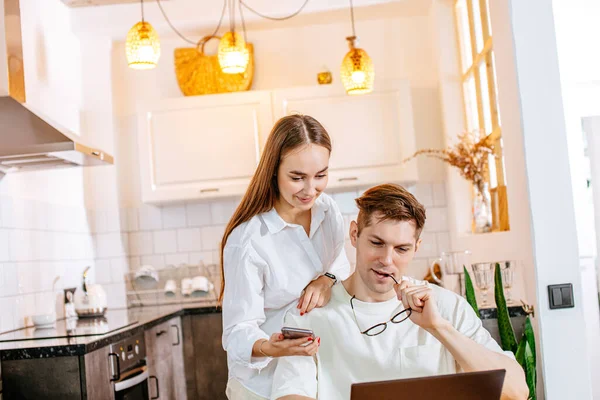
x=520, y=354
x=530, y=371
x=507, y=333
x=529, y=336
x=470, y=292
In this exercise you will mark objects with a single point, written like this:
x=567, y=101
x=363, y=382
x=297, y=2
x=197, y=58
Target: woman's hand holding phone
x=278, y=346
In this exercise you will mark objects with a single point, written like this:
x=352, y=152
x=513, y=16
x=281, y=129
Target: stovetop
x=70, y=328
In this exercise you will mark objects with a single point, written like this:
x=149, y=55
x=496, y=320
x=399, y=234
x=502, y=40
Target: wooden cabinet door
x=159, y=357
x=371, y=134
x=179, y=379
x=98, y=375
x=203, y=146
x=205, y=359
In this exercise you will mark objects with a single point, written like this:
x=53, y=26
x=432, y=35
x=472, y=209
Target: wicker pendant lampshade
x=233, y=53
x=357, y=69
x=142, y=46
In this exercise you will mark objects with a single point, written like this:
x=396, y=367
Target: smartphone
x=296, y=333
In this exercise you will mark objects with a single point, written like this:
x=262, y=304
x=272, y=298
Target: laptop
x=465, y=386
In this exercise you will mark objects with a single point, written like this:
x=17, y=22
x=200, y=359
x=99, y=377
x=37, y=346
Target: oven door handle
x=131, y=382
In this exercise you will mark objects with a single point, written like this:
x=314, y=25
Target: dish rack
x=154, y=293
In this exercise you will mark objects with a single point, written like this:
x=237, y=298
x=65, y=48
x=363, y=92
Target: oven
x=129, y=371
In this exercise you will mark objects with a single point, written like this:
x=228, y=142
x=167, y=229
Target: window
x=480, y=95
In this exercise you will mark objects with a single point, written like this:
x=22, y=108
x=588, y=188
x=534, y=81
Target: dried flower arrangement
x=470, y=156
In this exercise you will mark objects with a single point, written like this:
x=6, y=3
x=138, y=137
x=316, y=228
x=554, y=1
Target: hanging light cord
x=352, y=17
x=142, y=5
x=179, y=33
x=243, y=22
x=274, y=18
x=230, y=4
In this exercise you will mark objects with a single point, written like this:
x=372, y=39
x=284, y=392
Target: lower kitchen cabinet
x=204, y=358
x=164, y=355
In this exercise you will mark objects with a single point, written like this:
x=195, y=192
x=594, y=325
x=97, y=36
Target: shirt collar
x=275, y=223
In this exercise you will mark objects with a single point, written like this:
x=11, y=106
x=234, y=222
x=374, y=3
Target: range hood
x=29, y=140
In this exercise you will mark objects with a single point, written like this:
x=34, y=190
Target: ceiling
x=117, y=16
x=88, y=3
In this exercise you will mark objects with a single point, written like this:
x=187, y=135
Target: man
x=374, y=329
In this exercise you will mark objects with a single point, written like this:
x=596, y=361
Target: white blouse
x=268, y=263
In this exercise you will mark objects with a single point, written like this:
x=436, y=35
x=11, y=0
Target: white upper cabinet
x=371, y=134
x=209, y=146
x=201, y=147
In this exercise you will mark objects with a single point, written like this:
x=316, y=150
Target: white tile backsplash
x=423, y=192
x=198, y=214
x=211, y=237
x=4, y=246
x=428, y=246
x=222, y=211
x=439, y=194
x=177, y=259
x=141, y=243
x=205, y=257
x=174, y=217
x=189, y=240
x=103, y=273
x=156, y=260
x=346, y=202
x=150, y=218
x=165, y=242
x=437, y=220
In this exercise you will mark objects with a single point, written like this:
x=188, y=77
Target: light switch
x=561, y=296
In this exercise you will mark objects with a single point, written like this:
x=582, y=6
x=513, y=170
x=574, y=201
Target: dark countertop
x=29, y=343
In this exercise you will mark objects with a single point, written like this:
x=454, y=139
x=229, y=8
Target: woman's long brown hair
x=288, y=133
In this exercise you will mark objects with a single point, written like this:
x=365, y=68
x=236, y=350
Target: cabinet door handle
x=157, y=388
x=350, y=178
x=209, y=190
x=116, y=372
x=161, y=332
x=178, y=340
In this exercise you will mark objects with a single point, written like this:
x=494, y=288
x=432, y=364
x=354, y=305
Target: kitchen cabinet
x=204, y=358
x=209, y=146
x=371, y=134
x=202, y=146
x=59, y=378
x=164, y=355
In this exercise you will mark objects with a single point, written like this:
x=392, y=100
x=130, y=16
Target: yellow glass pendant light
x=142, y=46
x=233, y=53
x=357, y=71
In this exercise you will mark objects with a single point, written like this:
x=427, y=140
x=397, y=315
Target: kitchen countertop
x=30, y=343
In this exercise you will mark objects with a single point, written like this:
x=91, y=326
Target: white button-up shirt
x=268, y=263
x=346, y=356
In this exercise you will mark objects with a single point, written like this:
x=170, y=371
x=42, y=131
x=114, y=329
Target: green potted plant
x=524, y=350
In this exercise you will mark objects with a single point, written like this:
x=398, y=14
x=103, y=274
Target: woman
x=283, y=247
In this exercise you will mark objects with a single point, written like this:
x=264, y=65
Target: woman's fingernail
x=301, y=313
x=310, y=339
x=319, y=340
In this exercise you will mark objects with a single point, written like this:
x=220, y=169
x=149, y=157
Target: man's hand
x=316, y=294
x=420, y=299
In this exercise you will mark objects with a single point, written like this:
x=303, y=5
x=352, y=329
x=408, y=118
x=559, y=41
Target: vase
x=482, y=209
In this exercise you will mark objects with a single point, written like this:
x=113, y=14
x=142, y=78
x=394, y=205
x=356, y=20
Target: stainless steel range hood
x=28, y=140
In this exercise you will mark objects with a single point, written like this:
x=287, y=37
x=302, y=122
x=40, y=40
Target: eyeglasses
x=379, y=328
